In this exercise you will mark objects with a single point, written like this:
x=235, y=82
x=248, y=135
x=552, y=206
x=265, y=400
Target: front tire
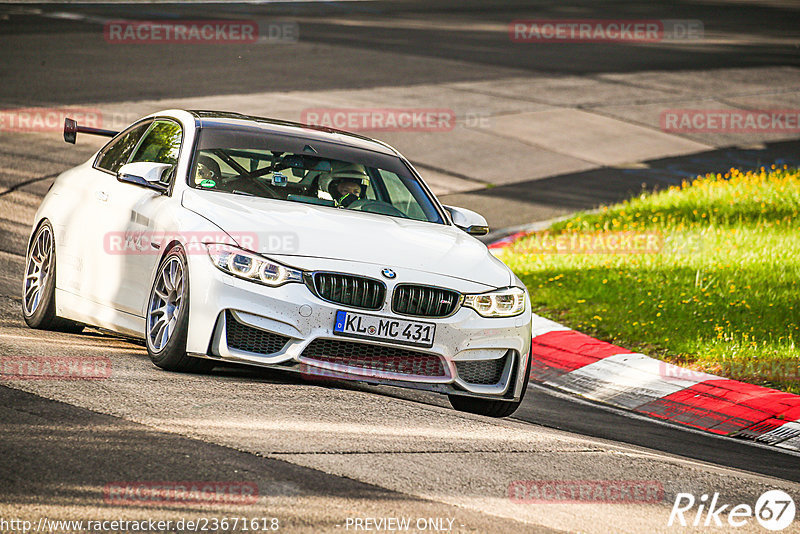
x=491, y=407
x=167, y=320
x=39, y=284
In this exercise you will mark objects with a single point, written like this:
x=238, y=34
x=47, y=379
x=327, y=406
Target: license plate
x=364, y=326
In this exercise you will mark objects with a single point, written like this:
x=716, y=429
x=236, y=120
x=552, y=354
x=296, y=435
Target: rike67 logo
x=774, y=510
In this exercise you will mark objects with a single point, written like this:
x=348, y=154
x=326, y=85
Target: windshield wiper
x=237, y=192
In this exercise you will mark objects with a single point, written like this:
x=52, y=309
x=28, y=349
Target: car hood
x=296, y=231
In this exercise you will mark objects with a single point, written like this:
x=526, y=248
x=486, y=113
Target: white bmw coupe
x=219, y=237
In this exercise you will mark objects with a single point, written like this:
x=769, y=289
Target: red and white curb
x=576, y=363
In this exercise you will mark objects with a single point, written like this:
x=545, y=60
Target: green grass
x=720, y=296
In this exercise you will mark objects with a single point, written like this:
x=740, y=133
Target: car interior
x=302, y=178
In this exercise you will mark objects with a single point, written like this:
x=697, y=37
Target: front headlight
x=251, y=266
x=499, y=303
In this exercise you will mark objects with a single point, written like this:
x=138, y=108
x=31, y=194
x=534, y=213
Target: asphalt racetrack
x=327, y=456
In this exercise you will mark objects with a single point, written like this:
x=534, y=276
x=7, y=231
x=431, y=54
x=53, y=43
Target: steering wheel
x=376, y=206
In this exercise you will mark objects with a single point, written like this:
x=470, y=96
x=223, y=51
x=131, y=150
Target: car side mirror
x=471, y=222
x=144, y=173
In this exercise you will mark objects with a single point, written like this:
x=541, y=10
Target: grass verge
x=704, y=275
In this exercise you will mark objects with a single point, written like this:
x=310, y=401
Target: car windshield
x=293, y=169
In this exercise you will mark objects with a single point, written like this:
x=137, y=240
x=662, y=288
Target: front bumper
x=286, y=320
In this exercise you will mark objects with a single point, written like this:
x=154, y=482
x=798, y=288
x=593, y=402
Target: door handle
x=102, y=196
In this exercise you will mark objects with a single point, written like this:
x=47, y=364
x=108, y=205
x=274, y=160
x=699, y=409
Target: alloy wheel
x=38, y=269
x=166, y=303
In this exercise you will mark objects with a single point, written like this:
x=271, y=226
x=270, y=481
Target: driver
x=207, y=169
x=346, y=185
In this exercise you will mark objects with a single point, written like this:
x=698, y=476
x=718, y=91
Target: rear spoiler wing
x=71, y=129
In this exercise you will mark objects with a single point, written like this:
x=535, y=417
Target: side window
x=161, y=144
x=116, y=153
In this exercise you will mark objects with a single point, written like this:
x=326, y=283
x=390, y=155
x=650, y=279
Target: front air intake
x=362, y=358
x=482, y=372
x=244, y=337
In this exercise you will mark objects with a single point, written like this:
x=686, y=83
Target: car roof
x=226, y=119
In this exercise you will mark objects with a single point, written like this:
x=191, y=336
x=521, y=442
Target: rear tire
x=167, y=319
x=491, y=407
x=39, y=284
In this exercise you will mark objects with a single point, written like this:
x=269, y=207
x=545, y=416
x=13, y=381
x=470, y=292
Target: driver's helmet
x=207, y=169
x=347, y=184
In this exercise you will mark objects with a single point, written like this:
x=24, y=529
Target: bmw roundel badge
x=388, y=273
